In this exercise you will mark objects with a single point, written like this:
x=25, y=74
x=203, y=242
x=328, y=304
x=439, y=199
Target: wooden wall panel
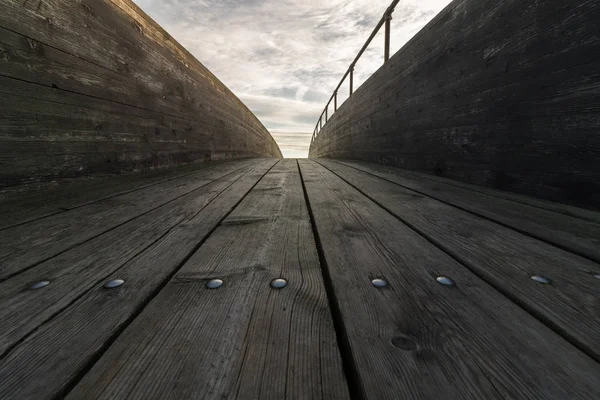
x=496, y=93
x=96, y=86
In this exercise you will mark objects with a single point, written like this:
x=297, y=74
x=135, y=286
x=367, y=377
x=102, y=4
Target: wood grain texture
x=418, y=339
x=578, y=232
x=49, y=361
x=502, y=257
x=20, y=207
x=245, y=339
x=74, y=272
x=109, y=54
x=26, y=245
x=495, y=93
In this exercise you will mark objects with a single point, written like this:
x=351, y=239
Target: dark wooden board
x=51, y=198
x=495, y=93
x=109, y=53
x=502, y=257
x=25, y=245
x=74, y=272
x=580, y=235
x=49, y=361
x=417, y=338
x=245, y=339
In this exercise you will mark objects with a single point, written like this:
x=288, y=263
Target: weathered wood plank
x=502, y=257
x=17, y=207
x=417, y=338
x=495, y=93
x=111, y=52
x=39, y=367
x=244, y=340
x=74, y=272
x=25, y=245
x=581, y=236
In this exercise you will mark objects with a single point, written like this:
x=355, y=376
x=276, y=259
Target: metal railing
x=386, y=19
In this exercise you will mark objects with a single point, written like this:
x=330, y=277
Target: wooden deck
x=327, y=227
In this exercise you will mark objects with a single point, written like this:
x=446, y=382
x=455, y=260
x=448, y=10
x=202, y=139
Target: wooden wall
x=96, y=86
x=501, y=93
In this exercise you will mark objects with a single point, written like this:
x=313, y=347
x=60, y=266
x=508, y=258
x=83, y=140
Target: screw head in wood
x=113, y=283
x=214, y=283
x=278, y=283
x=40, y=284
x=379, y=282
x=541, y=279
x=444, y=280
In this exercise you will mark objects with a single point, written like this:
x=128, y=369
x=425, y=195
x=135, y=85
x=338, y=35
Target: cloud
x=283, y=58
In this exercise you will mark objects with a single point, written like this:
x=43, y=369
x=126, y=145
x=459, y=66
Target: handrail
x=385, y=19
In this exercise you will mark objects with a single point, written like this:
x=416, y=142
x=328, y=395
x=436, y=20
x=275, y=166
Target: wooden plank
x=40, y=368
x=417, y=338
x=74, y=272
x=26, y=245
x=578, y=235
x=129, y=61
x=496, y=93
x=244, y=340
x=500, y=256
x=17, y=207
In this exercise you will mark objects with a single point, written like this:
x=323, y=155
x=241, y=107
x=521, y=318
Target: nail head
x=379, y=282
x=40, y=284
x=541, y=279
x=278, y=283
x=444, y=280
x=214, y=283
x=114, y=283
x=597, y=276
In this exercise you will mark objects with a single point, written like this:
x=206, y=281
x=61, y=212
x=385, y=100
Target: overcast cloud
x=283, y=58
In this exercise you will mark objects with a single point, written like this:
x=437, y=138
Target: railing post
x=386, y=54
x=326, y=108
x=321, y=122
x=351, y=78
x=335, y=101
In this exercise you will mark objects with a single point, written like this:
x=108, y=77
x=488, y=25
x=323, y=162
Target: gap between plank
x=519, y=230
x=10, y=348
x=105, y=346
x=111, y=229
x=535, y=314
x=355, y=386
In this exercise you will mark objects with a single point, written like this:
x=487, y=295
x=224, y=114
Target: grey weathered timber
x=50, y=360
x=580, y=235
x=25, y=245
x=121, y=59
x=47, y=199
x=244, y=339
x=417, y=338
x=385, y=171
x=496, y=93
x=74, y=272
x=502, y=257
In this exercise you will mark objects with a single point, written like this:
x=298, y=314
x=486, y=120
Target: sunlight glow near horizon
x=286, y=72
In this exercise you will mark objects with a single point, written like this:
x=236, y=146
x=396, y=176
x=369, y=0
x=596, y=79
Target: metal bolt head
x=214, y=283
x=541, y=279
x=444, y=280
x=379, y=282
x=278, y=283
x=39, y=285
x=113, y=283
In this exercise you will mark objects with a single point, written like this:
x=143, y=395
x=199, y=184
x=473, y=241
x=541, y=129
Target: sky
x=284, y=58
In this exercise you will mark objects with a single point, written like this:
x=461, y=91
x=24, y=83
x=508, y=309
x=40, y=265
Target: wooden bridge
x=237, y=274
